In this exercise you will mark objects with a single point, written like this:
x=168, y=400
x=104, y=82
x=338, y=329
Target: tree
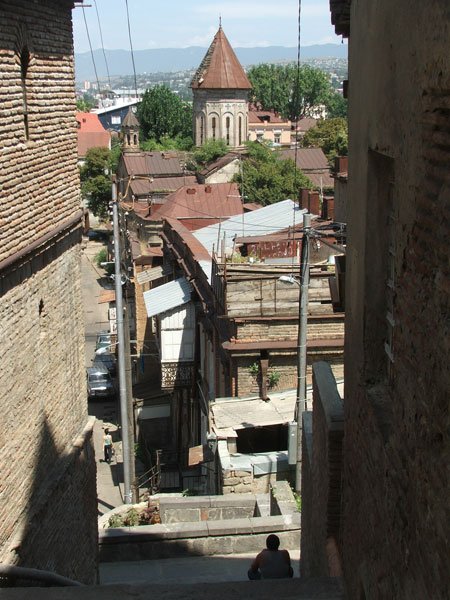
x=86, y=103
x=329, y=134
x=166, y=143
x=290, y=91
x=336, y=106
x=162, y=113
x=96, y=180
x=210, y=151
x=266, y=179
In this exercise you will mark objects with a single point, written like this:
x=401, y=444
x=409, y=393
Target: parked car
x=107, y=360
x=104, y=340
x=99, y=382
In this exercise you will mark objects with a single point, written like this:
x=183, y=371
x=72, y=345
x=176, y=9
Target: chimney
x=314, y=203
x=304, y=193
x=341, y=164
x=208, y=189
x=328, y=208
x=190, y=191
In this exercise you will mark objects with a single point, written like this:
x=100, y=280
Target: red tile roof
x=220, y=68
x=91, y=133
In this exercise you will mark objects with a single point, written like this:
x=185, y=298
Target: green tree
x=163, y=114
x=329, y=134
x=210, y=151
x=266, y=179
x=290, y=91
x=86, y=103
x=96, y=180
x=167, y=143
x=336, y=106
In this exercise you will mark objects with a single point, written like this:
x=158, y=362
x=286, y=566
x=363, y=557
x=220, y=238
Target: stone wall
x=47, y=487
x=245, y=482
x=396, y=479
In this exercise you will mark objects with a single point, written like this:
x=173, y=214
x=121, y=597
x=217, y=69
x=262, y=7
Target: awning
x=151, y=275
x=107, y=296
x=167, y=296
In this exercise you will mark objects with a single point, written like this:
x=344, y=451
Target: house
x=313, y=163
x=111, y=117
x=48, y=508
x=220, y=88
x=91, y=134
x=221, y=170
x=227, y=326
x=268, y=125
x=375, y=466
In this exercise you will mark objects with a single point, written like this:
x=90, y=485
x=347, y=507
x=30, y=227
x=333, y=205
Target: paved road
x=109, y=476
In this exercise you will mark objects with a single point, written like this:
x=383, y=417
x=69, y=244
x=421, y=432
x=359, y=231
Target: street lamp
x=301, y=343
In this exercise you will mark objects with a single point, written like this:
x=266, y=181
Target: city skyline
x=178, y=24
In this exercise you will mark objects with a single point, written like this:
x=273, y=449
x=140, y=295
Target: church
x=220, y=88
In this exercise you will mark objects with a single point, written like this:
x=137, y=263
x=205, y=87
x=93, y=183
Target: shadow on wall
x=59, y=523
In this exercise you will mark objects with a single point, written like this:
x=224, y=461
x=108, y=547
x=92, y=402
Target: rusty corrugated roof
x=212, y=201
x=141, y=187
x=156, y=164
x=308, y=159
x=220, y=68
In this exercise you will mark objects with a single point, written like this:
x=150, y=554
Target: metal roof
x=158, y=164
x=220, y=68
x=265, y=220
x=167, y=296
x=308, y=159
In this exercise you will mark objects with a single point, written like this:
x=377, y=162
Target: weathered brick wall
x=44, y=409
x=396, y=479
x=38, y=176
x=285, y=364
x=288, y=330
x=47, y=487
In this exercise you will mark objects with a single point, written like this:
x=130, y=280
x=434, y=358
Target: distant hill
x=180, y=59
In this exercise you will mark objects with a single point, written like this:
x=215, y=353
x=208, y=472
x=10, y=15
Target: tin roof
x=142, y=187
x=156, y=164
x=130, y=119
x=220, y=68
x=308, y=159
x=265, y=220
x=167, y=296
x=210, y=201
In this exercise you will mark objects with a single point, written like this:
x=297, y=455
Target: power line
x=103, y=46
x=92, y=53
x=131, y=47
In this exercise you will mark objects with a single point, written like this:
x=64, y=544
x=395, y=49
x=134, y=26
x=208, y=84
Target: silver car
x=99, y=383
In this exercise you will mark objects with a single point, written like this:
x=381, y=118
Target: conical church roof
x=130, y=120
x=220, y=68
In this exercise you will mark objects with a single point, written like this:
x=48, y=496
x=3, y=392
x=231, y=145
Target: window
x=227, y=127
x=213, y=122
x=277, y=138
x=24, y=65
x=202, y=129
x=240, y=131
x=116, y=120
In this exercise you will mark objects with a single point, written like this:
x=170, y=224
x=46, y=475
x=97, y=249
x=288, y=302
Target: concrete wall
x=46, y=460
x=395, y=506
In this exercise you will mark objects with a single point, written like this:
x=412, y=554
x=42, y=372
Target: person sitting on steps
x=271, y=563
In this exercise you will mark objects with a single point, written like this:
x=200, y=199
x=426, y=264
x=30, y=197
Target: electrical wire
x=92, y=53
x=103, y=46
x=297, y=92
x=131, y=48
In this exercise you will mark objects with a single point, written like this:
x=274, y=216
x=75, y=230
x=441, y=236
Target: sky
x=183, y=23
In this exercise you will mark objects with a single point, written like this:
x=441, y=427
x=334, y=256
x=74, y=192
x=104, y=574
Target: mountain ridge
x=164, y=60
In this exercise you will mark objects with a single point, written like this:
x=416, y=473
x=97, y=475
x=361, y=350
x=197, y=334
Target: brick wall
x=38, y=176
x=47, y=487
x=396, y=480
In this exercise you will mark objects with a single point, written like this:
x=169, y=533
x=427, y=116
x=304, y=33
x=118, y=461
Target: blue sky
x=182, y=23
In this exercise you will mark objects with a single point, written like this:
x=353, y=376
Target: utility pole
x=302, y=331
x=126, y=450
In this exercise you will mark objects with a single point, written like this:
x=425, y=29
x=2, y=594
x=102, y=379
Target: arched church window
x=202, y=129
x=128, y=139
x=213, y=123
x=227, y=127
x=135, y=139
x=24, y=65
x=240, y=131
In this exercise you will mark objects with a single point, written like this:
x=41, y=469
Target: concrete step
x=283, y=589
